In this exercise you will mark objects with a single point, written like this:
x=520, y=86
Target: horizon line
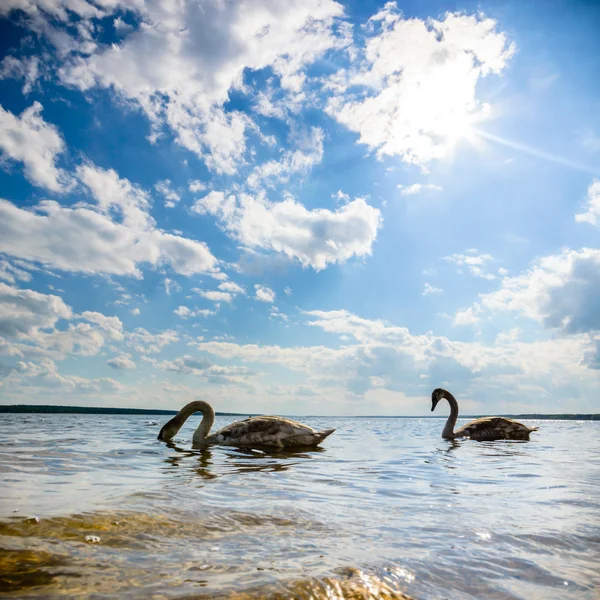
x=75, y=409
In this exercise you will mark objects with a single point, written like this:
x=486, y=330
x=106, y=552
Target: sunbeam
x=535, y=152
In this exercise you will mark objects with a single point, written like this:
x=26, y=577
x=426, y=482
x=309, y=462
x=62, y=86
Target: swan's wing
x=303, y=440
x=263, y=431
x=494, y=428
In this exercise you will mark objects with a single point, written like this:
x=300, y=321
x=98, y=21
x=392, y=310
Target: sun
x=460, y=125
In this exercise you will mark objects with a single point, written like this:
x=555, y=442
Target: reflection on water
x=240, y=460
x=97, y=507
x=22, y=569
x=182, y=460
x=347, y=584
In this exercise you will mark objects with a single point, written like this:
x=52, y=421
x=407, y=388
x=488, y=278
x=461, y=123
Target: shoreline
x=99, y=410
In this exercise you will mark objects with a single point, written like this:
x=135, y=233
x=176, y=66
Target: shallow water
x=95, y=507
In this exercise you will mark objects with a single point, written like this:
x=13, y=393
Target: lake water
x=93, y=506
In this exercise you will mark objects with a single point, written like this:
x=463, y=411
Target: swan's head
x=436, y=396
x=169, y=430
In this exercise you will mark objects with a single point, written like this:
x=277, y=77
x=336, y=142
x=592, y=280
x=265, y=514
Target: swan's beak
x=167, y=432
x=433, y=404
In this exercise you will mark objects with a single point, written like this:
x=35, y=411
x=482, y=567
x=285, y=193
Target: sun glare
x=460, y=126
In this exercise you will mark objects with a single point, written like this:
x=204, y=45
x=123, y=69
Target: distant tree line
x=567, y=417
x=101, y=410
x=90, y=410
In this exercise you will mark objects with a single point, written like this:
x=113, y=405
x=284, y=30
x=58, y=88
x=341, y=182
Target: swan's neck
x=208, y=418
x=171, y=428
x=448, y=431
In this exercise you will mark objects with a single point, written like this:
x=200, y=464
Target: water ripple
x=97, y=507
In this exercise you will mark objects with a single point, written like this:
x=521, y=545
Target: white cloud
x=171, y=285
x=232, y=287
x=442, y=356
x=417, y=188
x=303, y=359
x=219, y=276
x=315, y=238
x=187, y=364
x=182, y=62
x=296, y=161
x=196, y=185
x=11, y=273
x=204, y=368
x=592, y=214
x=34, y=142
x=421, y=78
x=264, y=105
x=170, y=195
x=25, y=312
x=58, y=9
x=473, y=261
x=264, y=293
x=430, y=289
x=468, y=316
x=340, y=197
x=135, y=311
x=183, y=312
x=33, y=380
x=377, y=356
x=82, y=240
x=88, y=238
x=213, y=295
x=507, y=337
x=215, y=136
x=112, y=325
x=29, y=325
x=277, y=314
x=27, y=69
x=121, y=27
x=559, y=291
x=287, y=291
x=363, y=330
x=80, y=339
x=112, y=192
x=383, y=356
x=144, y=342
x=122, y=362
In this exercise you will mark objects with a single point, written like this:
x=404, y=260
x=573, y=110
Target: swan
x=251, y=432
x=486, y=428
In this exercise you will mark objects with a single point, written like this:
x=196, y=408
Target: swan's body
x=486, y=428
x=253, y=432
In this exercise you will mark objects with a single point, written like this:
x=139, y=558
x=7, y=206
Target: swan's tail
x=323, y=434
x=533, y=429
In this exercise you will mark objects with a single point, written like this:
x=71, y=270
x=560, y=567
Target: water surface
x=93, y=506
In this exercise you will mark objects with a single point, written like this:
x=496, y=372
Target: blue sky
x=300, y=208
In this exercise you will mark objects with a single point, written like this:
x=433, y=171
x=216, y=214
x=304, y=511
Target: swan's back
x=268, y=431
x=495, y=428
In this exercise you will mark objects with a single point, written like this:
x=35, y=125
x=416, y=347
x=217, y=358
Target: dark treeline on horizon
x=565, y=417
x=100, y=410
x=547, y=417
x=92, y=410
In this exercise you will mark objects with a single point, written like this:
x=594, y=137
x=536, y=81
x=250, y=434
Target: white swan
x=486, y=428
x=252, y=432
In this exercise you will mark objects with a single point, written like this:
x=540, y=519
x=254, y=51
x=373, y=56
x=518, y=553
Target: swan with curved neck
x=252, y=432
x=486, y=428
